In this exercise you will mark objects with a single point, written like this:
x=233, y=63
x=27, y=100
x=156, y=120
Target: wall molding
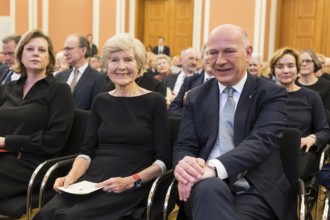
x=96, y=22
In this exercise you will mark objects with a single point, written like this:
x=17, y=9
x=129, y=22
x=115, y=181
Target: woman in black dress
x=36, y=114
x=305, y=109
x=126, y=144
x=307, y=78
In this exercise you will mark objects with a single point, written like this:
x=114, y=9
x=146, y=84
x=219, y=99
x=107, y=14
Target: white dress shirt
x=222, y=173
x=179, y=81
x=81, y=71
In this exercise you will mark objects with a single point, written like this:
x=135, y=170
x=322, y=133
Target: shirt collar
x=82, y=68
x=238, y=86
x=49, y=79
x=207, y=76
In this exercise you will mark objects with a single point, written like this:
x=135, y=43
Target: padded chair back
x=77, y=134
x=290, y=146
x=165, y=181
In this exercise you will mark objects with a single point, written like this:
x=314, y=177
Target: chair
x=160, y=185
x=19, y=205
x=290, y=145
x=322, y=204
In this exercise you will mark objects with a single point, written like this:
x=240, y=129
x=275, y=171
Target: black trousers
x=212, y=199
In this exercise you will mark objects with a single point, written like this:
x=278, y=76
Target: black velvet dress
x=125, y=135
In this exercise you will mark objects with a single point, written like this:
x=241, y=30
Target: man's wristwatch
x=211, y=165
x=137, y=180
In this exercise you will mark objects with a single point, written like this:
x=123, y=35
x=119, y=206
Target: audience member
x=95, y=62
x=61, y=63
x=92, y=46
x=327, y=65
x=9, y=44
x=172, y=83
x=227, y=157
x=305, y=108
x=151, y=65
x=36, y=114
x=321, y=59
x=161, y=48
x=176, y=64
x=255, y=65
x=124, y=150
x=309, y=66
x=149, y=48
x=163, y=64
x=189, y=83
x=85, y=82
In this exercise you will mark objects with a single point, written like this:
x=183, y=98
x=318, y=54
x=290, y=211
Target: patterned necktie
x=226, y=127
x=227, y=137
x=74, y=79
x=8, y=77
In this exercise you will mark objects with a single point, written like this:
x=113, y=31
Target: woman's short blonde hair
x=280, y=53
x=165, y=57
x=26, y=38
x=125, y=42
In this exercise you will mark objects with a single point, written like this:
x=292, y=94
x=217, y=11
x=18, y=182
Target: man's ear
x=249, y=51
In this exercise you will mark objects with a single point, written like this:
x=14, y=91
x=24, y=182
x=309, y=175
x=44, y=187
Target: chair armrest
x=326, y=205
x=301, y=205
x=167, y=198
x=323, y=155
x=156, y=183
x=42, y=167
x=48, y=174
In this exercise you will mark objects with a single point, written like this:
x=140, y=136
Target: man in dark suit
x=189, y=83
x=9, y=44
x=92, y=46
x=239, y=176
x=174, y=82
x=85, y=82
x=161, y=48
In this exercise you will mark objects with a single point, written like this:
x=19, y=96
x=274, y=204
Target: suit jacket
x=259, y=121
x=169, y=81
x=91, y=83
x=94, y=50
x=3, y=72
x=189, y=83
x=166, y=50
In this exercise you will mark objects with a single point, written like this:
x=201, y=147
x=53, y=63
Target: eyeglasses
x=67, y=49
x=307, y=61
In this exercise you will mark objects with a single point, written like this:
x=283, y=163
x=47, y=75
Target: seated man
x=189, y=83
x=227, y=159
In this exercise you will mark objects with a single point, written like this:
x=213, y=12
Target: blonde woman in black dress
x=126, y=146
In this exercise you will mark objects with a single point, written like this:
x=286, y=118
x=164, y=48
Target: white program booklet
x=81, y=188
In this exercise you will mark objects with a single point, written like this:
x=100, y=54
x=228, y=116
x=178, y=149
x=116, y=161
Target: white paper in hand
x=81, y=188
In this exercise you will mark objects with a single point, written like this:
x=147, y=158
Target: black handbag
x=308, y=165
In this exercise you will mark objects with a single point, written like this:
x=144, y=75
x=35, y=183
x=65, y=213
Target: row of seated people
x=199, y=154
x=36, y=117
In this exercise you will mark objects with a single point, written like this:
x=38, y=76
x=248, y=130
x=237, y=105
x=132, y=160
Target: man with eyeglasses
x=9, y=44
x=85, y=82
